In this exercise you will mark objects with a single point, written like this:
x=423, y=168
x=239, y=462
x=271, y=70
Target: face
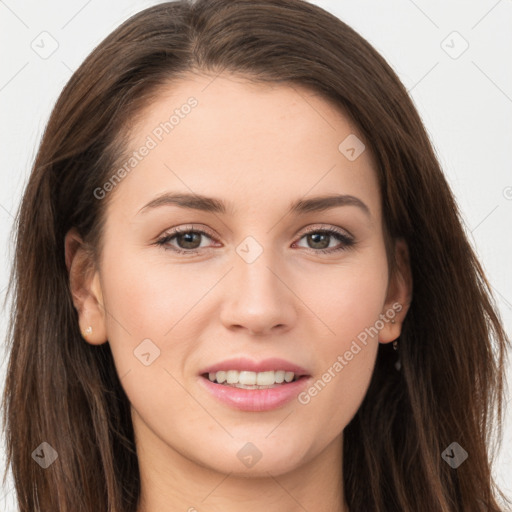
x=248, y=273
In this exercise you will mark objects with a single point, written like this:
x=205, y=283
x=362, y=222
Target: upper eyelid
x=326, y=227
x=186, y=229
x=304, y=231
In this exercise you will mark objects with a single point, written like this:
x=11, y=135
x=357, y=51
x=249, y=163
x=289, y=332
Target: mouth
x=253, y=380
x=254, y=386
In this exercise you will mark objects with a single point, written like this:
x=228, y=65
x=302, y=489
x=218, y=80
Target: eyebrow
x=214, y=205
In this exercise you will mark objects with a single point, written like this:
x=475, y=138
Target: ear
x=399, y=294
x=85, y=287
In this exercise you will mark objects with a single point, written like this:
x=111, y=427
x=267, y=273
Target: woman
x=241, y=280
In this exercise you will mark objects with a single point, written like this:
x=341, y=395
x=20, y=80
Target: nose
x=258, y=300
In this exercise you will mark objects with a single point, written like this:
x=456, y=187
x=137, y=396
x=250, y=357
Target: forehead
x=255, y=144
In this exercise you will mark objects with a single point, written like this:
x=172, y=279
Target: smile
x=252, y=380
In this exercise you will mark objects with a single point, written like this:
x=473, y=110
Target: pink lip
x=255, y=400
x=242, y=363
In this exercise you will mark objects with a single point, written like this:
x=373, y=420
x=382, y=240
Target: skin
x=258, y=147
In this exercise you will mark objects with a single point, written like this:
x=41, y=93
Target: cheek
x=149, y=298
x=151, y=309
x=335, y=395
x=345, y=364
x=349, y=303
x=150, y=322
x=346, y=298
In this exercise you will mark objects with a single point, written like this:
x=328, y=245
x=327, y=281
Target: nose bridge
x=258, y=300
x=257, y=284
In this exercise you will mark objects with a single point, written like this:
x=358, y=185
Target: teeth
x=232, y=376
x=250, y=379
x=279, y=376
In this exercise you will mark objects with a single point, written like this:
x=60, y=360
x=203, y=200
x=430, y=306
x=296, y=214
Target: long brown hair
x=66, y=392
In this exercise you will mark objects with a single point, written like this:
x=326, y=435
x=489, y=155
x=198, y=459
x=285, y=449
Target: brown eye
x=187, y=240
x=319, y=240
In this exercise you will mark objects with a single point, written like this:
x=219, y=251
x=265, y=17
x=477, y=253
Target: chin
x=258, y=457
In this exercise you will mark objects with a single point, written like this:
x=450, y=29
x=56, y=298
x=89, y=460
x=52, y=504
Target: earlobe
x=85, y=289
x=399, y=294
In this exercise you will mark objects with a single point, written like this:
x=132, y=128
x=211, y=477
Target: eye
x=188, y=240
x=319, y=240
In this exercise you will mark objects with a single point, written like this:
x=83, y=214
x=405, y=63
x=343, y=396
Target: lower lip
x=255, y=400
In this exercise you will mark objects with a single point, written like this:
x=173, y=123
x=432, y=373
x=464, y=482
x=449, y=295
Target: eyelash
x=346, y=240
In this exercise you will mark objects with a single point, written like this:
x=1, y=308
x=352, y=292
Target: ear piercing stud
x=87, y=331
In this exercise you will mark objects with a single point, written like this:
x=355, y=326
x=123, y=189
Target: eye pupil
x=316, y=239
x=189, y=240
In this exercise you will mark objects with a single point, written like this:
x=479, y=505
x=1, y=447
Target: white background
x=465, y=102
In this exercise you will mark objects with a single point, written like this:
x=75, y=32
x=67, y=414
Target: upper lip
x=265, y=365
